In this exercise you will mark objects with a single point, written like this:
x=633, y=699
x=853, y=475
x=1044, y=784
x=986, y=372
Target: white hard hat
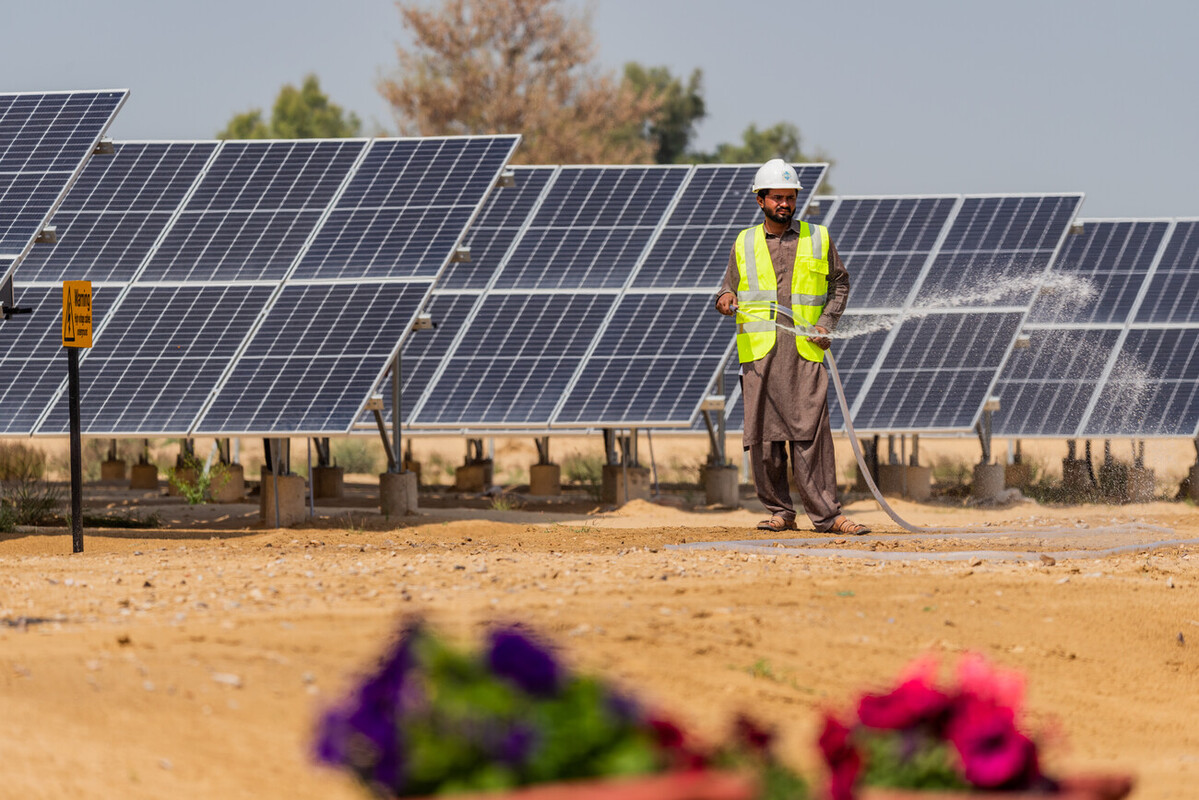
x=776, y=174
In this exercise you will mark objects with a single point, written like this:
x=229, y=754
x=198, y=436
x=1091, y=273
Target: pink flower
x=994, y=754
x=910, y=704
x=978, y=678
x=843, y=759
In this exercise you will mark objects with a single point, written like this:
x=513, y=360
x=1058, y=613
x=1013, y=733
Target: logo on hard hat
x=786, y=174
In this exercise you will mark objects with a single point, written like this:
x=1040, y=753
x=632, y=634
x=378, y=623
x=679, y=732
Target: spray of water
x=1067, y=291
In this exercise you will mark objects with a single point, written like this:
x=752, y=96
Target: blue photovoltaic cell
x=492, y=234
x=937, y=372
x=653, y=363
x=44, y=140
x=406, y=207
x=515, y=360
x=1153, y=390
x=1044, y=390
x=115, y=212
x=424, y=351
x=592, y=228
x=693, y=249
x=154, y=362
x=1173, y=292
x=1114, y=258
x=995, y=243
x=885, y=243
x=313, y=362
x=253, y=210
x=856, y=348
x=33, y=362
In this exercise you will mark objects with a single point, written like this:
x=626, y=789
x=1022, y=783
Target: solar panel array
x=259, y=287
x=597, y=311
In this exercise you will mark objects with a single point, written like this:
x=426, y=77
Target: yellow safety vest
x=757, y=290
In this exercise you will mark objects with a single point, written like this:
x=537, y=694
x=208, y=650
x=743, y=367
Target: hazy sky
x=908, y=97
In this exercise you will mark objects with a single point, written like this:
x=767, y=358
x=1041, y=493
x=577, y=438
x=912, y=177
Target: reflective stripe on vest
x=757, y=290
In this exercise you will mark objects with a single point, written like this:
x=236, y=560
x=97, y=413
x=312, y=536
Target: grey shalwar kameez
x=786, y=399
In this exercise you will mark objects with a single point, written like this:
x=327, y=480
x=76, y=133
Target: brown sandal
x=777, y=524
x=848, y=526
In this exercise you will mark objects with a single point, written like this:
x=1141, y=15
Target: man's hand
x=820, y=341
x=727, y=304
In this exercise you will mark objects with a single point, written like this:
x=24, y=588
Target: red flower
x=670, y=737
x=995, y=755
x=843, y=760
x=752, y=734
x=910, y=704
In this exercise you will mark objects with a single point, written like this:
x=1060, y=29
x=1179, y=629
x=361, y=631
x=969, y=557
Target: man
x=787, y=270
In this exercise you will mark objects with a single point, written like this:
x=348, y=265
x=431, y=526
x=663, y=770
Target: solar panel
x=652, y=365
x=315, y=359
x=160, y=354
x=32, y=360
x=252, y=212
x=45, y=138
x=692, y=250
x=888, y=241
x=592, y=228
x=1149, y=388
x=116, y=211
x=498, y=226
x=424, y=351
x=1050, y=388
x=515, y=360
x=406, y=208
x=1173, y=292
x=999, y=243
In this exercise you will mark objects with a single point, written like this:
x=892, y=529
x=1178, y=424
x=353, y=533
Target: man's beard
x=780, y=216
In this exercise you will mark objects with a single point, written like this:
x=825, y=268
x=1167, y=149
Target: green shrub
x=355, y=454
x=193, y=483
x=29, y=498
x=585, y=471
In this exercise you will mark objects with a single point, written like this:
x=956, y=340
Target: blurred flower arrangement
x=435, y=719
x=921, y=736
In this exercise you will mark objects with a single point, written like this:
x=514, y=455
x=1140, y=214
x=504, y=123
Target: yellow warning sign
x=76, y=313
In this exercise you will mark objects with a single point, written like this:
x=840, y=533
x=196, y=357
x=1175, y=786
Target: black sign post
x=76, y=333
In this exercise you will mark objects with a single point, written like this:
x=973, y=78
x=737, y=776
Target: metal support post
x=397, y=413
x=611, y=458
x=76, y=450
x=275, y=471
x=543, y=449
x=915, y=460
x=983, y=428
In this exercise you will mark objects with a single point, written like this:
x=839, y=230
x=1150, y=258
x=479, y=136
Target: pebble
x=227, y=679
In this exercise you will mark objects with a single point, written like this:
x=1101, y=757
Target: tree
x=681, y=107
x=516, y=66
x=304, y=113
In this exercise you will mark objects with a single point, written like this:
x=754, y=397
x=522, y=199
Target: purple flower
x=995, y=755
x=910, y=704
x=515, y=746
x=363, y=732
x=524, y=662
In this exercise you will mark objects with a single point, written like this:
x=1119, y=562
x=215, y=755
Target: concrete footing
x=112, y=470
x=891, y=479
x=545, y=480
x=397, y=493
x=182, y=475
x=1142, y=485
x=613, y=490
x=292, y=500
x=474, y=477
x=143, y=476
x=1113, y=480
x=988, y=482
x=228, y=484
x=721, y=485
x=1018, y=474
x=328, y=482
x=1193, y=483
x=920, y=482
x=413, y=467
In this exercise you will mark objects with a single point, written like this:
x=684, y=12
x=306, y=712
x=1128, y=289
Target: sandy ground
x=191, y=661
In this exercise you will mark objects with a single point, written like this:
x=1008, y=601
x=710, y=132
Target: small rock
x=227, y=679
x=1048, y=561
x=976, y=562
x=1182, y=640
x=166, y=764
x=1170, y=583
